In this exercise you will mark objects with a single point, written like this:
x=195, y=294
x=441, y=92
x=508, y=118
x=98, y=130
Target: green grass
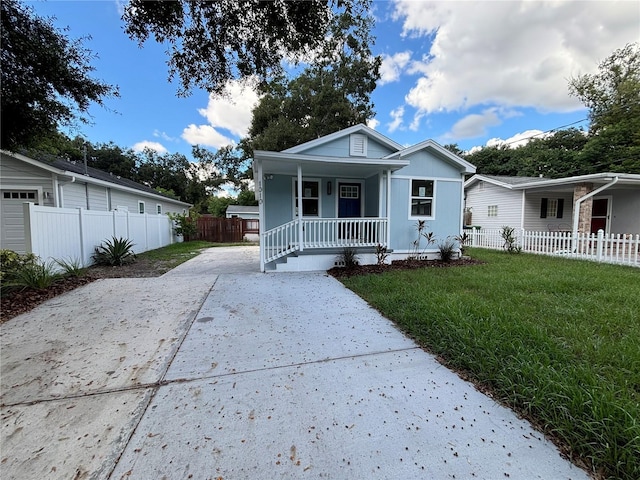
x=557, y=340
x=173, y=255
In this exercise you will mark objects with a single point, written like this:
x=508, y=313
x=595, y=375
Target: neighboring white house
x=354, y=189
x=606, y=201
x=61, y=184
x=243, y=211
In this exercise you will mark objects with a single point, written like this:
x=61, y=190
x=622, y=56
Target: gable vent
x=358, y=145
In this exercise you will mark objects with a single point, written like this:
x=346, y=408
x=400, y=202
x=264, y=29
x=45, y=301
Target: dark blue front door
x=349, y=200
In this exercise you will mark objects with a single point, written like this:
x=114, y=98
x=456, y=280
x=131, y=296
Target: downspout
x=300, y=226
x=578, y=204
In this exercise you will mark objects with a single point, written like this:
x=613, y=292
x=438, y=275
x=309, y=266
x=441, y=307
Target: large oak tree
x=46, y=80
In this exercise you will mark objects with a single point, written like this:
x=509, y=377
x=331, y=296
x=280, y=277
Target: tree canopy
x=332, y=93
x=613, y=98
x=210, y=43
x=46, y=79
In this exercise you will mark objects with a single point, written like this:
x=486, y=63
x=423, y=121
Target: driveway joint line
x=163, y=382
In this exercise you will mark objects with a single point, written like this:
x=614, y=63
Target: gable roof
x=523, y=183
x=89, y=174
x=360, y=128
x=440, y=151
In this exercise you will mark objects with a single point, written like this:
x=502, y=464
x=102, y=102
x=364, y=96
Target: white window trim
x=294, y=193
x=489, y=210
x=433, y=199
x=141, y=204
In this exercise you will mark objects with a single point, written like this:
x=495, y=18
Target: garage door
x=11, y=209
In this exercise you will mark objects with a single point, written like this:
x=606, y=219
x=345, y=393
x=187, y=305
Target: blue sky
x=471, y=73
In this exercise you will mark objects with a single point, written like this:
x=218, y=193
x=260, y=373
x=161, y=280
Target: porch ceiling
x=312, y=165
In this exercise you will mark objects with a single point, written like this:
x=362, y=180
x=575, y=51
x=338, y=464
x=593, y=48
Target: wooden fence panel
x=219, y=230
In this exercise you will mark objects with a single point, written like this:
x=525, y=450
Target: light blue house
x=354, y=188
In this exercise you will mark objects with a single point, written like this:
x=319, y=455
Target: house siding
x=340, y=148
x=74, y=195
x=532, y=204
x=624, y=214
x=97, y=198
x=18, y=175
x=509, y=206
x=447, y=206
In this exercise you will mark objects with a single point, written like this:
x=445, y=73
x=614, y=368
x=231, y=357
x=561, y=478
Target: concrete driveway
x=215, y=370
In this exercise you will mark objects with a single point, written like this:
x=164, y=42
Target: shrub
x=510, y=240
x=447, y=249
x=417, y=252
x=349, y=258
x=71, y=267
x=185, y=224
x=381, y=254
x=11, y=263
x=117, y=251
x=35, y=275
x=463, y=240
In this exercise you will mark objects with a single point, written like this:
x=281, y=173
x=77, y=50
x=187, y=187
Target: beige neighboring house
x=62, y=184
x=606, y=201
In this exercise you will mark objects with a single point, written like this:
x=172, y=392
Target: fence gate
x=219, y=230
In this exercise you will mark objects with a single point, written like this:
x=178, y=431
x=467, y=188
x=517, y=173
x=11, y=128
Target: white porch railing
x=323, y=233
x=614, y=248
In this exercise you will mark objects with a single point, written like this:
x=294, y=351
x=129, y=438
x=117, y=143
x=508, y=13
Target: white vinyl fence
x=71, y=234
x=614, y=248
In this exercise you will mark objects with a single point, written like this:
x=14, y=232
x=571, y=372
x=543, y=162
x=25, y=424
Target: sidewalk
x=264, y=376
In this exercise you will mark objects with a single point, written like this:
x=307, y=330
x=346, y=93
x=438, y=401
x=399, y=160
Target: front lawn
x=557, y=340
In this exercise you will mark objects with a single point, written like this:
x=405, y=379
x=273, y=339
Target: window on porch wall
x=310, y=198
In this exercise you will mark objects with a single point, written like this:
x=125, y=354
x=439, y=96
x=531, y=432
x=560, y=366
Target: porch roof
x=625, y=180
x=283, y=163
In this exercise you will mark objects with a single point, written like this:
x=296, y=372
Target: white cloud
x=155, y=146
x=230, y=112
x=474, y=125
x=397, y=115
x=519, y=139
x=510, y=54
x=205, y=135
x=373, y=123
x=392, y=66
x=164, y=136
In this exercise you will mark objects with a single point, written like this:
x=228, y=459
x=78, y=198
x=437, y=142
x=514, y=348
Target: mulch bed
x=342, y=272
x=17, y=302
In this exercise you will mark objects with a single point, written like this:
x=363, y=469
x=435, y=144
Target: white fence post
x=27, y=210
x=600, y=245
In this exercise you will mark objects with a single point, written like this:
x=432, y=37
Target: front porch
x=315, y=206
x=323, y=236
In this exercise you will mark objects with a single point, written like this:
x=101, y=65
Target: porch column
x=259, y=193
x=388, y=212
x=583, y=212
x=300, y=226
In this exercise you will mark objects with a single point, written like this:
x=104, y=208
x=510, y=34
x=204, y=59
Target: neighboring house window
x=310, y=198
x=358, y=145
x=481, y=186
x=492, y=211
x=421, y=198
x=551, y=208
x=159, y=209
x=140, y=207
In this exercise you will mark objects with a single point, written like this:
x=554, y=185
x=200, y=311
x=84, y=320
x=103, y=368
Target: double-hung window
x=421, y=198
x=310, y=198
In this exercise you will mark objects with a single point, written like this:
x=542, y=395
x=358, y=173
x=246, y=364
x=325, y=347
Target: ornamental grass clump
x=114, y=252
